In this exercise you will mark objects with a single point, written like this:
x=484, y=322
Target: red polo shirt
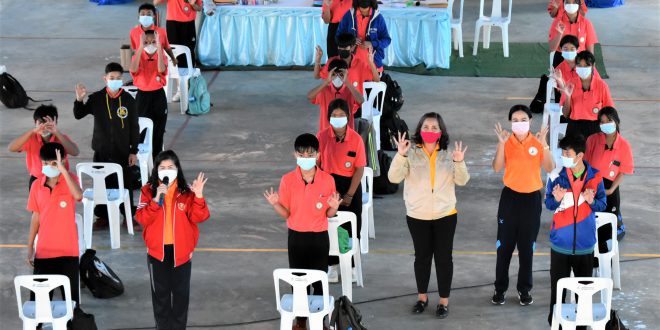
x=338, y=9
x=181, y=10
x=609, y=162
x=326, y=96
x=137, y=31
x=31, y=149
x=358, y=72
x=307, y=202
x=341, y=157
x=58, y=234
x=586, y=104
x=147, y=78
x=582, y=29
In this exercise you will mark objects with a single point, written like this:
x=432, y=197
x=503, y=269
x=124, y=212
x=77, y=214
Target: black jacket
x=113, y=135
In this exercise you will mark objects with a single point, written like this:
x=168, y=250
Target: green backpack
x=199, y=99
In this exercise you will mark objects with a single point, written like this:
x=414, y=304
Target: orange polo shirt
x=137, y=31
x=522, y=164
x=582, y=29
x=31, y=149
x=147, y=78
x=307, y=202
x=58, y=233
x=168, y=228
x=358, y=72
x=338, y=9
x=609, y=162
x=341, y=157
x=181, y=10
x=327, y=95
x=586, y=104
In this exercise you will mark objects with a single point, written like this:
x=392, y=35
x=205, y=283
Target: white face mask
x=150, y=49
x=568, y=162
x=338, y=122
x=520, y=127
x=171, y=174
x=337, y=82
x=583, y=72
x=569, y=56
x=571, y=8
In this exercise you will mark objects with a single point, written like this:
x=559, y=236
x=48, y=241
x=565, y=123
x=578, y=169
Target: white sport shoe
x=176, y=97
x=333, y=275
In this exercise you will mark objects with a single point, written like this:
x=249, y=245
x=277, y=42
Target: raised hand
x=568, y=89
x=51, y=126
x=81, y=91
x=158, y=44
x=560, y=27
x=371, y=55
x=143, y=37
x=541, y=135
x=328, y=80
x=272, y=196
x=366, y=44
x=458, y=155
x=40, y=127
x=319, y=54
x=556, y=74
x=554, y=4
x=402, y=144
x=58, y=161
x=502, y=134
x=334, y=200
x=198, y=185
x=558, y=192
x=589, y=195
x=132, y=160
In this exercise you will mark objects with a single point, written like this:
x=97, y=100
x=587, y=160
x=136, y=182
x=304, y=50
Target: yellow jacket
x=424, y=202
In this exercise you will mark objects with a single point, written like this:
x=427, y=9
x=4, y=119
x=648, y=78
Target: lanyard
x=107, y=104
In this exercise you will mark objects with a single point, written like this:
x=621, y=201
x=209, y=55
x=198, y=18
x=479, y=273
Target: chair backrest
x=496, y=11
x=367, y=182
x=603, y=218
x=339, y=219
x=585, y=288
x=130, y=90
x=300, y=279
x=98, y=172
x=450, y=10
x=179, y=50
x=42, y=285
x=374, y=96
x=148, y=125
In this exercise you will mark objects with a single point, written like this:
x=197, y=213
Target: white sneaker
x=176, y=97
x=354, y=271
x=333, y=275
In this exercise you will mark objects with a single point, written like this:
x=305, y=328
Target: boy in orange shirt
x=147, y=21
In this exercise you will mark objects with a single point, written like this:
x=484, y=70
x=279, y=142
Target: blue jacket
x=573, y=228
x=376, y=32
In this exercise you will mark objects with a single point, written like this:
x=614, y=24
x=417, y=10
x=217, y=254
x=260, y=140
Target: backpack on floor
x=366, y=131
x=382, y=184
x=199, y=101
x=615, y=322
x=98, y=277
x=389, y=130
x=393, y=96
x=12, y=93
x=82, y=321
x=345, y=316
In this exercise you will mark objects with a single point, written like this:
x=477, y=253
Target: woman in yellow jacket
x=431, y=173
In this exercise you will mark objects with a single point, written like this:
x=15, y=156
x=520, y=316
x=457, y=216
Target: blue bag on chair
x=110, y=2
x=604, y=3
x=199, y=98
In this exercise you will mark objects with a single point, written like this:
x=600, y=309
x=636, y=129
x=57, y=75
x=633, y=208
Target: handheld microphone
x=166, y=181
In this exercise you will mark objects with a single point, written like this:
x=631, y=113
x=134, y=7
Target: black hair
x=575, y=142
x=577, y=2
x=305, y=142
x=47, y=151
x=337, y=64
x=586, y=56
x=372, y=3
x=569, y=39
x=520, y=107
x=154, y=181
x=147, y=6
x=113, y=67
x=345, y=40
x=338, y=104
x=611, y=114
x=444, y=138
x=44, y=111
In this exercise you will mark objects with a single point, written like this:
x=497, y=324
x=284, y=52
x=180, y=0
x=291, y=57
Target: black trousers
x=182, y=33
x=518, y=222
x=561, y=266
x=32, y=178
x=111, y=182
x=343, y=183
x=584, y=127
x=153, y=105
x=170, y=291
x=67, y=266
x=309, y=250
x=433, y=239
x=331, y=45
x=605, y=232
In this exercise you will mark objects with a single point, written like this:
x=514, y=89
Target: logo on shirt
x=122, y=112
x=355, y=84
x=582, y=40
x=181, y=206
x=319, y=205
x=595, y=110
x=348, y=164
x=185, y=8
x=62, y=204
x=533, y=151
x=158, y=78
x=612, y=173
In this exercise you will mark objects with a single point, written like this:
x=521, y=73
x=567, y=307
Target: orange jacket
x=188, y=212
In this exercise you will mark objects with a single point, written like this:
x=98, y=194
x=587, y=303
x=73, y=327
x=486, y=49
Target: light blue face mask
x=583, y=72
x=608, y=128
x=146, y=21
x=338, y=122
x=50, y=171
x=568, y=162
x=306, y=163
x=570, y=56
x=115, y=85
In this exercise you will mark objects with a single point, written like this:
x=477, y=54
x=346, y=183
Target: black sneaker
x=420, y=306
x=498, y=298
x=525, y=298
x=441, y=311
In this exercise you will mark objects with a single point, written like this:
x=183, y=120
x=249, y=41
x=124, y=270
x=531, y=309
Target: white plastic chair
x=552, y=119
x=367, y=216
x=457, y=27
x=608, y=263
x=130, y=90
x=585, y=312
x=300, y=304
x=487, y=22
x=99, y=194
x=372, y=108
x=182, y=74
x=42, y=309
x=341, y=218
x=145, y=160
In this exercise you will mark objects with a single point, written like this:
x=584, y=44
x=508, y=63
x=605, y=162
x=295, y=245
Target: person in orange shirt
x=149, y=72
x=180, y=24
x=556, y=9
x=44, y=131
x=612, y=156
x=52, y=201
x=170, y=211
x=570, y=21
x=333, y=87
x=521, y=155
x=332, y=12
x=147, y=21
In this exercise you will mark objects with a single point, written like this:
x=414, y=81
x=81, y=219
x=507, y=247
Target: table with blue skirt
x=283, y=35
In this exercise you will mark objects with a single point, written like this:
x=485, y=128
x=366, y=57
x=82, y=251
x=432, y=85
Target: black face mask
x=344, y=53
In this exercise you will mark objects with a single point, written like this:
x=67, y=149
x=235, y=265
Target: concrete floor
x=245, y=145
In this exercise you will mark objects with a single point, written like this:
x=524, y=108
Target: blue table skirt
x=281, y=36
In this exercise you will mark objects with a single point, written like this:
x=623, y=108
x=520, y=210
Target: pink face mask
x=430, y=137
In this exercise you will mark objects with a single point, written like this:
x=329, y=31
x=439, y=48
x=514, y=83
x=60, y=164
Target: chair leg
x=477, y=30
x=59, y=324
x=286, y=321
x=316, y=321
x=128, y=212
x=372, y=227
x=144, y=170
x=29, y=324
x=555, y=323
x=487, y=30
x=364, y=233
x=505, y=39
x=616, y=271
x=184, y=95
x=346, y=275
x=453, y=36
x=88, y=221
x=358, y=265
x=113, y=219
x=459, y=39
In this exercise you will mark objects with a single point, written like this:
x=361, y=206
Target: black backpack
x=615, y=322
x=12, y=94
x=382, y=185
x=99, y=277
x=538, y=103
x=82, y=321
x=389, y=130
x=393, y=97
x=345, y=316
